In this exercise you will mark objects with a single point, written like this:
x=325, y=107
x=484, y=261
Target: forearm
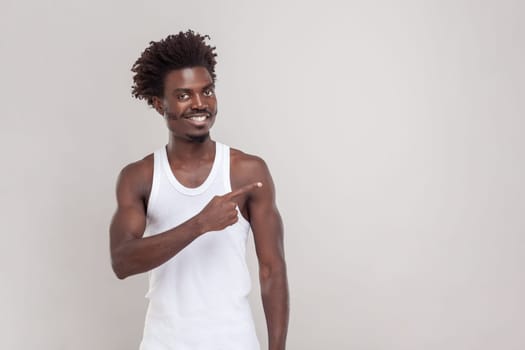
x=275, y=298
x=143, y=254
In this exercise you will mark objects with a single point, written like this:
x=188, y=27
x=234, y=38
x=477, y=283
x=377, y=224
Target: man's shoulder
x=140, y=167
x=138, y=174
x=245, y=160
x=247, y=165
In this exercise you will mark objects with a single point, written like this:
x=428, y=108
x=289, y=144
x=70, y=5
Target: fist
x=221, y=211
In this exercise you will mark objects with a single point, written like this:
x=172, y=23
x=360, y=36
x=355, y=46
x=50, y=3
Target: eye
x=182, y=97
x=208, y=92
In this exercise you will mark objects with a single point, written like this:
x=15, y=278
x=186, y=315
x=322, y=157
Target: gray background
x=393, y=130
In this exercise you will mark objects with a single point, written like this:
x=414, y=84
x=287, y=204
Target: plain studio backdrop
x=394, y=131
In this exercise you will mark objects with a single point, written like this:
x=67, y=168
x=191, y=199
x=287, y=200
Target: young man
x=184, y=213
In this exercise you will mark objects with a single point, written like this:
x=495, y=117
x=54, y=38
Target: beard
x=191, y=138
x=198, y=138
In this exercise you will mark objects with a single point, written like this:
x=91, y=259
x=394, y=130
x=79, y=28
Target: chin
x=199, y=138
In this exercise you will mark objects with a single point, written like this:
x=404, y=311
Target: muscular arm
x=267, y=228
x=130, y=253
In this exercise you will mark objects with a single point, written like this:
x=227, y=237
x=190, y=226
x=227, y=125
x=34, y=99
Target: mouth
x=198, y=120
x=198, y=117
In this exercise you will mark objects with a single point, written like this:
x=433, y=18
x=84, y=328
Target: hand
x=221, y=211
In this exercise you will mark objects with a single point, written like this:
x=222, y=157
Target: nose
x=197, y=102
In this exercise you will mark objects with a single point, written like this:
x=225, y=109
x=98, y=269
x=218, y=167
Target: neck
x=186, y=149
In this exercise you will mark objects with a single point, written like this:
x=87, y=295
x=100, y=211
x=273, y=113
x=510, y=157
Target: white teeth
x=199, y=119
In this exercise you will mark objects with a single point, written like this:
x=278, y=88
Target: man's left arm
x=267, y=228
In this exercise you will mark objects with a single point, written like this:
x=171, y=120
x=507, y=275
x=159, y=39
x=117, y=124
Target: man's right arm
x=131, y=253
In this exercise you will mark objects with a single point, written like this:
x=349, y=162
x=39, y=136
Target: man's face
x=189, y=104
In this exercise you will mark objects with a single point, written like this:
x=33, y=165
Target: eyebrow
x=211, y=85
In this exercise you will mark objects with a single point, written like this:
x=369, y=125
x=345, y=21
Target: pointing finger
x=243, y=190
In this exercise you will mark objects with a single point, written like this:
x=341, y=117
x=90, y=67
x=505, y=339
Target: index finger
x=242, y=190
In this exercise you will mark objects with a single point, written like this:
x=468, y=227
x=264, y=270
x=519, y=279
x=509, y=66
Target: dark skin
x=188, y=93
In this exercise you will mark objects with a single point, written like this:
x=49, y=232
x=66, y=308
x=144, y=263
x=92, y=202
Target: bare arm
x=131, y=253
x=267, y=228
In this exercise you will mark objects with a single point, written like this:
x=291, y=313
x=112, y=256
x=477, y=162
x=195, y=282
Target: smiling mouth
x=198, y=117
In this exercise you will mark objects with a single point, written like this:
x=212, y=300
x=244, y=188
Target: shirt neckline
x=192, y=191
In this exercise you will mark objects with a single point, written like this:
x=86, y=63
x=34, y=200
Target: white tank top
x=198, y=300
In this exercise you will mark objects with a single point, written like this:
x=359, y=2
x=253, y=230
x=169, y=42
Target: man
x=185, y=211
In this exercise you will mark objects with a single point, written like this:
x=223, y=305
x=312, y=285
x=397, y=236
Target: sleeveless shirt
x=198, y=300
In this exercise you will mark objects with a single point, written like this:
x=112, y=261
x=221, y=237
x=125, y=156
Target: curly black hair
x=176, y=51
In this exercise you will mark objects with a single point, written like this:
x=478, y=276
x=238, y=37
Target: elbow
x=124, y=262
x=119, y=267
x=273, y=279
x=120, y=274
x=275, y=268
x=119, y=271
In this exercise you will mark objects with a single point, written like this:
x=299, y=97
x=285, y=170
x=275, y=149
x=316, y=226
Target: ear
x=158, y=104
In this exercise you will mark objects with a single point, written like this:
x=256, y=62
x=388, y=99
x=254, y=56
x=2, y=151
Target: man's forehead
x=188, y=78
